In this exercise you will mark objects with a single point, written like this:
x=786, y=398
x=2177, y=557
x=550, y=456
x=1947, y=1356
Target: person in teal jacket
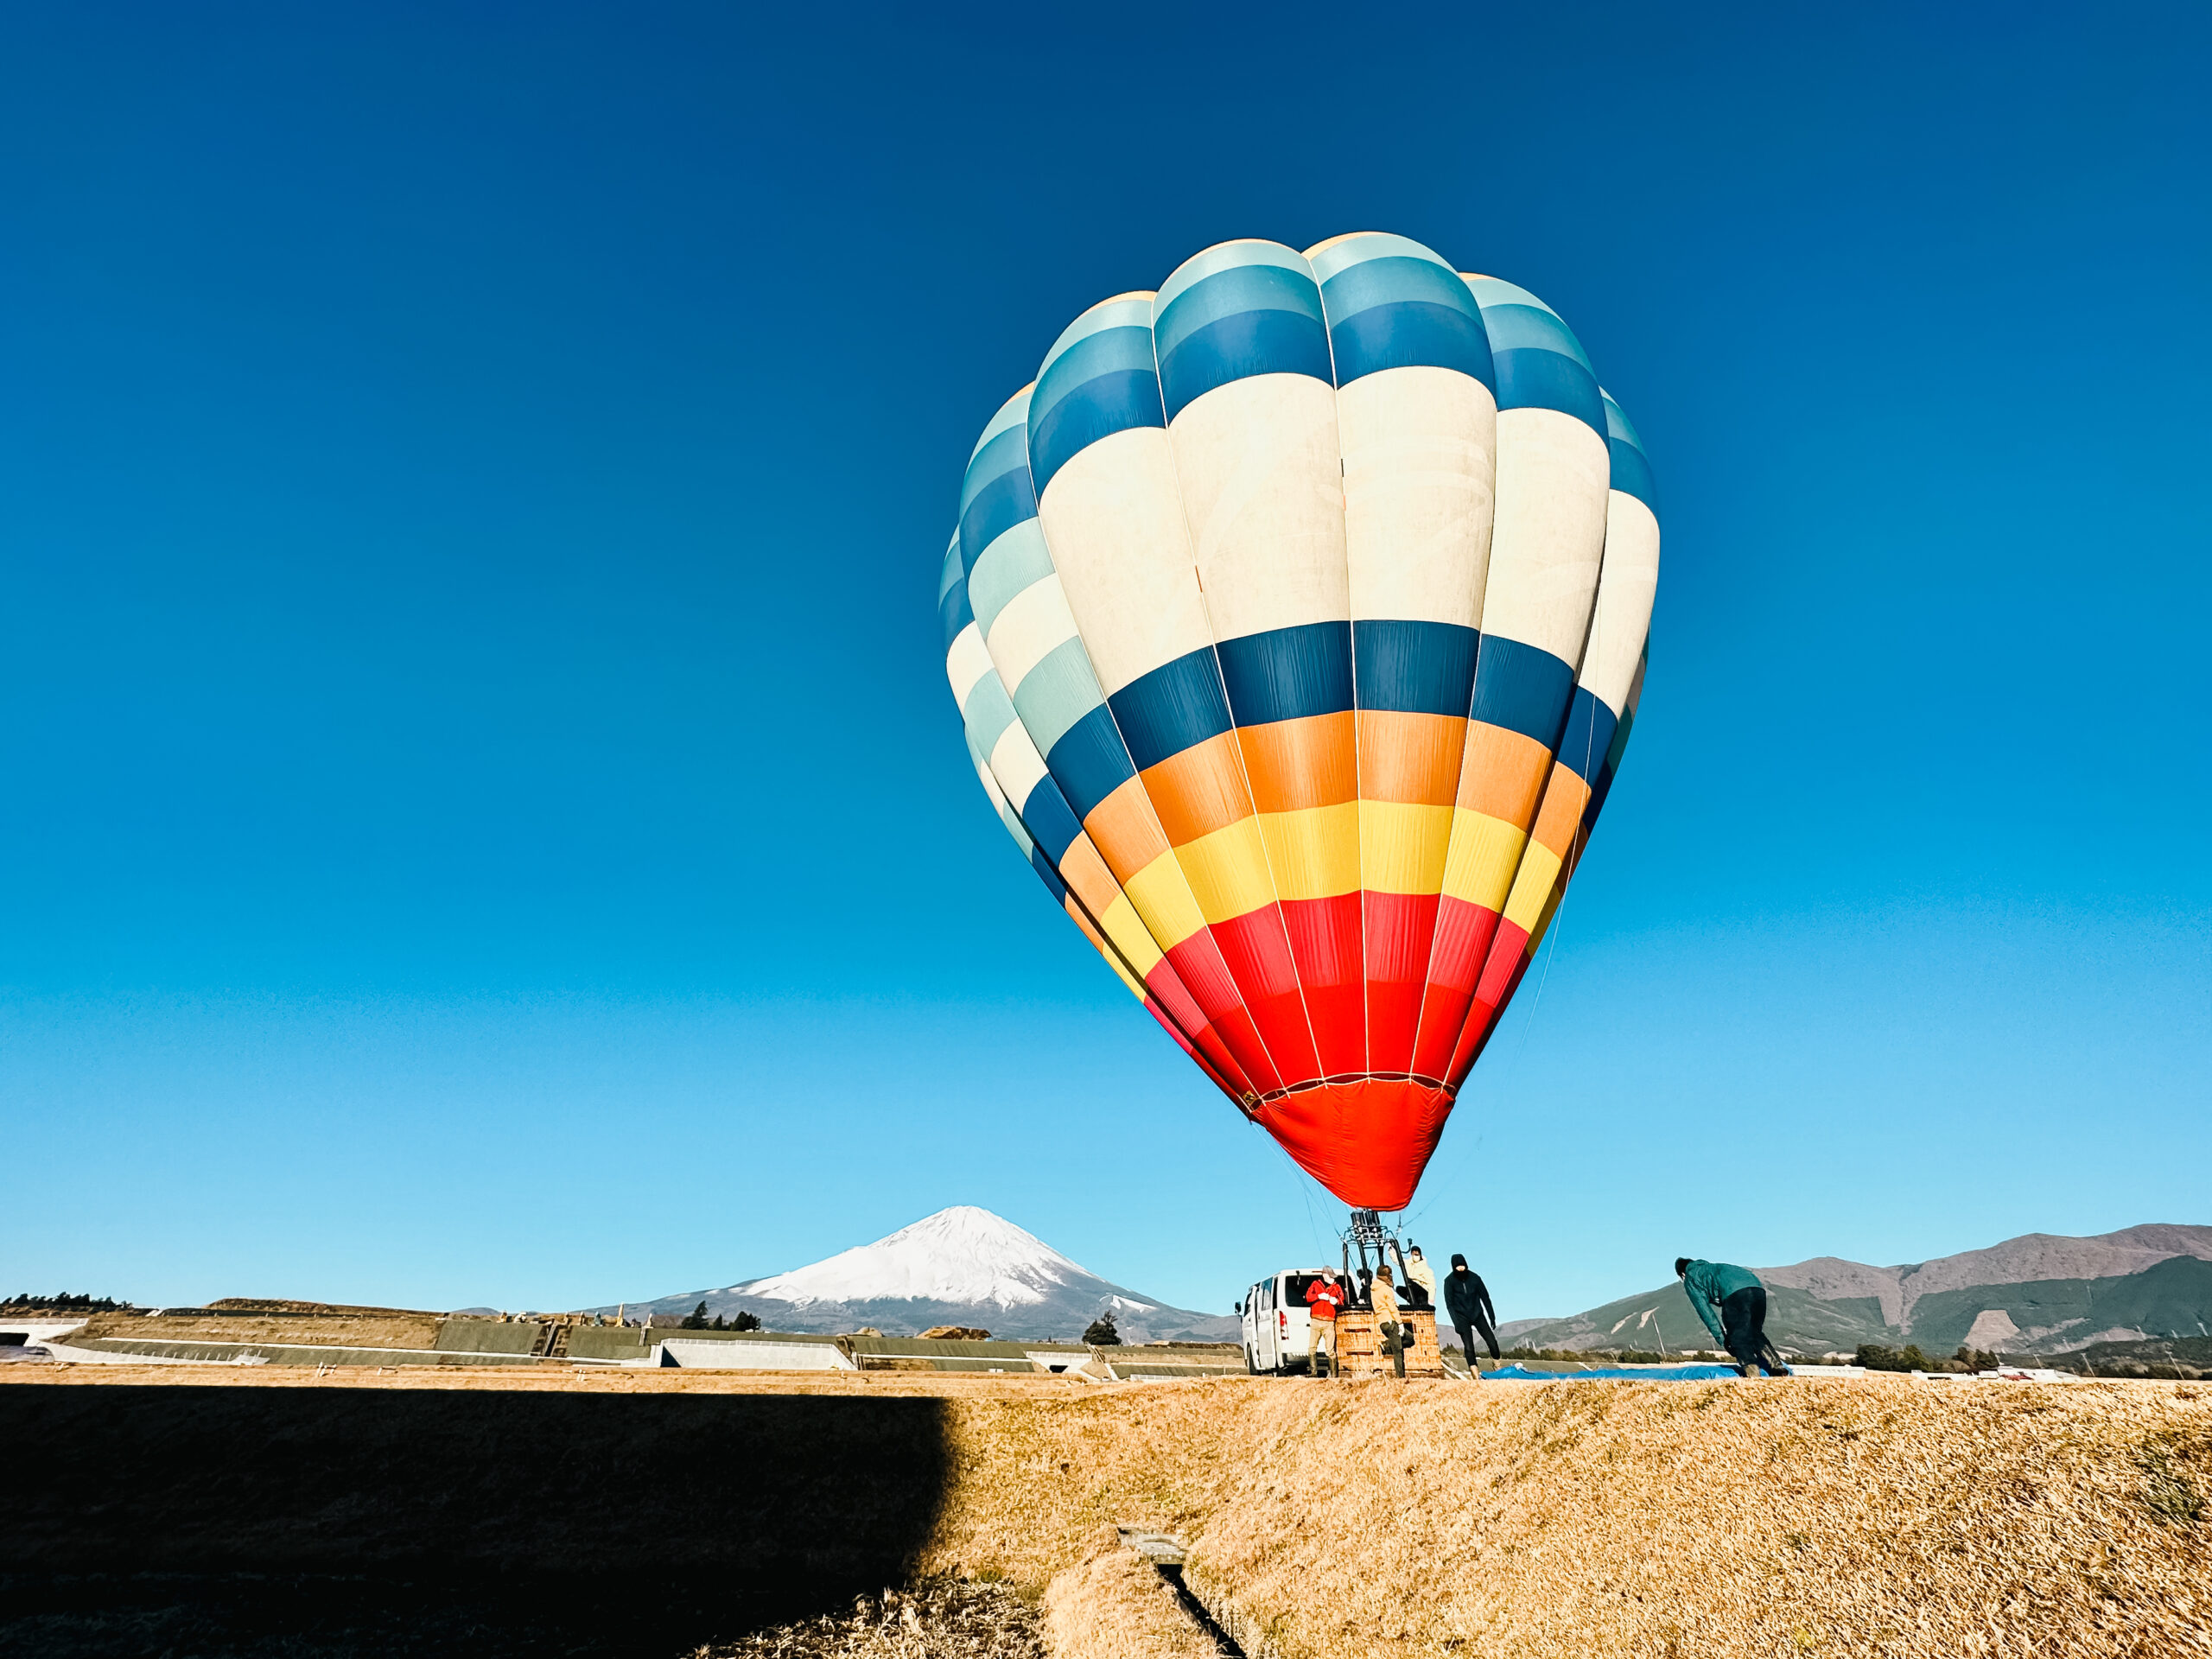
x=1732, y=1303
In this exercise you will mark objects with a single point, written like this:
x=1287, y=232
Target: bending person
x=1732, y=1303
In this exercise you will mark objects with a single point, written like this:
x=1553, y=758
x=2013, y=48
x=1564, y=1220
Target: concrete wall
x=791, y=1354
x=29, y=1332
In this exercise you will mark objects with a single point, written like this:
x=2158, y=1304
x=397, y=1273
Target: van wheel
x=1250, y=1367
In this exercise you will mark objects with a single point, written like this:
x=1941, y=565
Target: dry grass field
x=1869, y=1518
x=1874, y=1516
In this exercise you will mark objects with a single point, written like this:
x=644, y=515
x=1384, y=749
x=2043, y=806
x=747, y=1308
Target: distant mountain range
x=2037, y=1293
x=961, y=1266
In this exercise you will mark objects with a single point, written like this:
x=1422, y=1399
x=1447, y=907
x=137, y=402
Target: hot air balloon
x=1297, y=614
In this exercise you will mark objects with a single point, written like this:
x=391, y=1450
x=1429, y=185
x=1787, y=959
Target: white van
x=1276, y=1321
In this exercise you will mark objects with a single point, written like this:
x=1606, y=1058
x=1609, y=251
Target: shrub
x=1880, y=1356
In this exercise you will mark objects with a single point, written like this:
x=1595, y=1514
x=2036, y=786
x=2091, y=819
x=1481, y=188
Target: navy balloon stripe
x=1001, y=505
x=1411, y=334
x=1532, y=377
x=1589, y=733
x=1415, y=668
x=1236, y=348
x=1523, y=689
x=1176, y=707
x=1089, y=762
x=1632, y=473
x=1045, y=816
x=1047, y=874
x=1111, y=351
x=954, y=612
x=1100, y=407
x=1288, y=673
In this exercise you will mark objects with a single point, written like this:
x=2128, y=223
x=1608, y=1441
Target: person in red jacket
x=1322, y=1298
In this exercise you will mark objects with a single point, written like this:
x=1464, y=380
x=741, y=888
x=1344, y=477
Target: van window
x=1295, y=1285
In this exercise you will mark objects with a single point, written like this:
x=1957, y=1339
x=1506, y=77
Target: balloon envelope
x=1297, y=613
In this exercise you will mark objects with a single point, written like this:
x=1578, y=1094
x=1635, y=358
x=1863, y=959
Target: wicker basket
x=1359, y=1345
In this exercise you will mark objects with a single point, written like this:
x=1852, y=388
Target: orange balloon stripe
x=1199, y=791
x=1408, y=757
x=1296, y=764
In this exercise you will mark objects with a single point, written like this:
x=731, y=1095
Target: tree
x=1880, y=1356
x=742, y=1321
x=1101, y=1333
x=696, y=1319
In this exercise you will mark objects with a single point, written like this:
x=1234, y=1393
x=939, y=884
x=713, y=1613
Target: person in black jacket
x=1466, y=1299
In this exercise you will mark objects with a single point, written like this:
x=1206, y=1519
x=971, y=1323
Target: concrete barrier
x=774, y=1354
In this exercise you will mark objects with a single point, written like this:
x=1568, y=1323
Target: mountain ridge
x=2047, y=1292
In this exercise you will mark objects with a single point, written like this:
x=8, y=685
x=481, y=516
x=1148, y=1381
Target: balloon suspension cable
x=1368, y=1231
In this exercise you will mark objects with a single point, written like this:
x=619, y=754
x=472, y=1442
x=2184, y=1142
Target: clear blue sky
x=484, y=820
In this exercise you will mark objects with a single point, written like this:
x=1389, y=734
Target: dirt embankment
x=1874, y=1517
x=376, y=1328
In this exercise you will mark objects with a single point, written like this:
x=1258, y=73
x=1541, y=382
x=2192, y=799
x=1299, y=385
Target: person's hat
x=1682, y=1266
x=1328, y=1273
x=1458, y=1261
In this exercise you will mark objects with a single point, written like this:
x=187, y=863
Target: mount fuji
x=961, y=1266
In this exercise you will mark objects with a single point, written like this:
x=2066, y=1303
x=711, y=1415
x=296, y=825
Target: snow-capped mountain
x=961, y=1266
x=960, y=1254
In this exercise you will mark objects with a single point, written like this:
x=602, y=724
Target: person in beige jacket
x=1418, y=1272
x=1388, y=1325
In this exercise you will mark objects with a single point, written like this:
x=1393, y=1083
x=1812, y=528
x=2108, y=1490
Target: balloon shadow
x=333, y=1520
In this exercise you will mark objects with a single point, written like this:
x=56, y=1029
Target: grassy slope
x=1879, y=1516
x=1874, y=1517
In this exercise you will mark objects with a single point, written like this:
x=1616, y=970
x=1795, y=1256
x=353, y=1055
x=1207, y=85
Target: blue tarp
x=1638, y=1373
